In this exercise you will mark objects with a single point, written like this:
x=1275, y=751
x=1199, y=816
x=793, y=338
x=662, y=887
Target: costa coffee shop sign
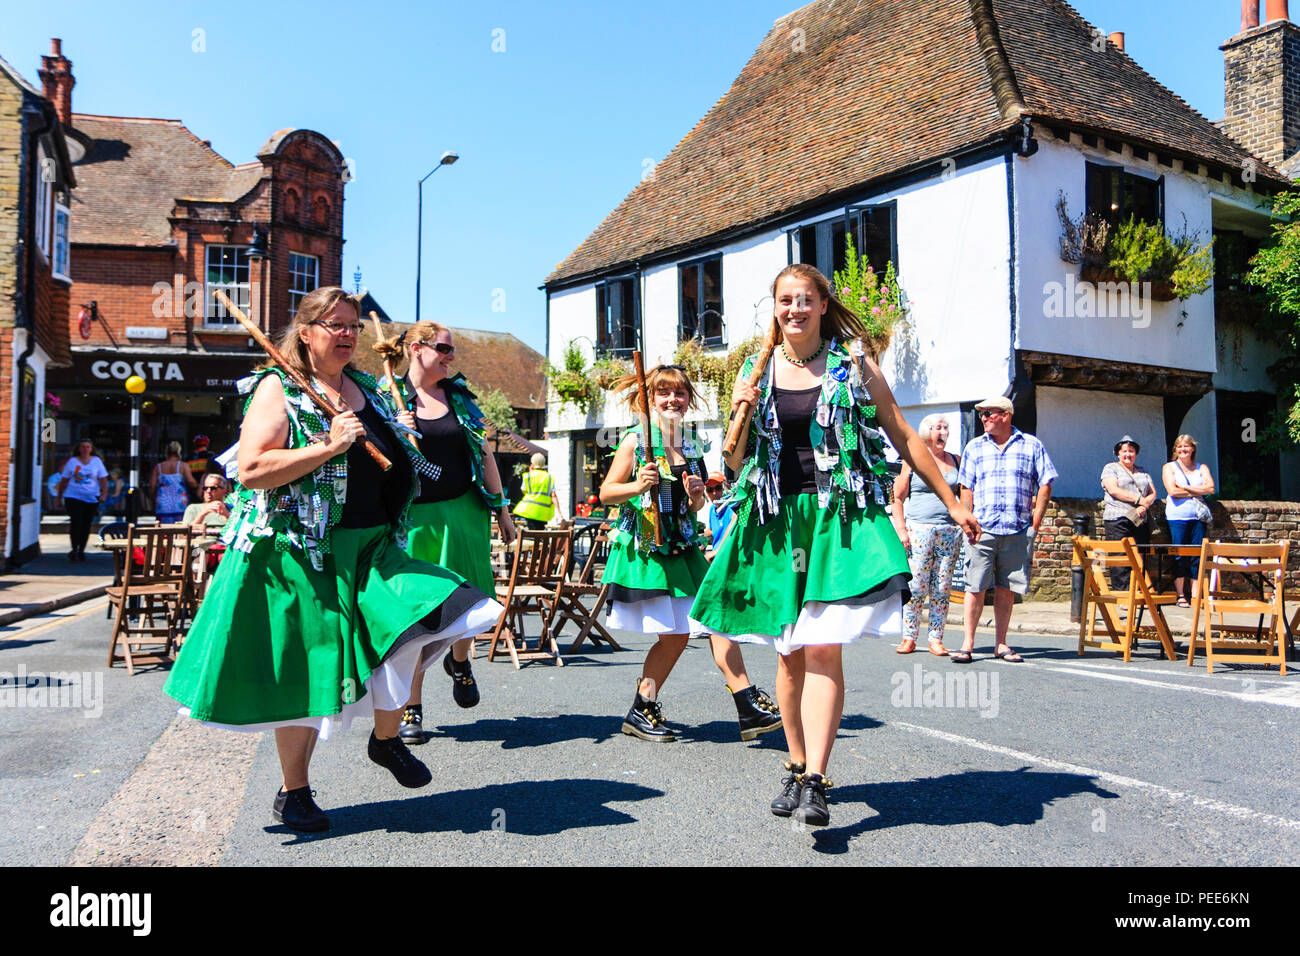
x=182, y=373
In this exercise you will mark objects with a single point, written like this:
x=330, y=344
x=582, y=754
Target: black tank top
x=443, y=443
x=375, y=497
x=795, y=409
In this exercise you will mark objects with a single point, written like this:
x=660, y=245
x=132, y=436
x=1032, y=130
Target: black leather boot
x=392, y=755
x=646, y=720
x=464, y=689
x=787, y=800
x=298, y=811
x=758, y=713
x=812, y=809
x=412, y=730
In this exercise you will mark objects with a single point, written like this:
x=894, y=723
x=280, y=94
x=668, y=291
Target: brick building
x=36, y=181
x=160, y=223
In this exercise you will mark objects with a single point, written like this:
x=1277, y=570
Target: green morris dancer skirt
x=456, y=535
x=764, y=575
x=276, y=643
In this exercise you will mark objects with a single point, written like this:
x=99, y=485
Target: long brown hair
x=668, y=376
x=314, y=306
x=839, y=321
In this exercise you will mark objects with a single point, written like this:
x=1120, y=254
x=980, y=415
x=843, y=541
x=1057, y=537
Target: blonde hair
x=928, y=422
x=661, y=376
x=173, y=449
x=314, y=306
x=538, y=460
x=839, y=321
x=1183, y=440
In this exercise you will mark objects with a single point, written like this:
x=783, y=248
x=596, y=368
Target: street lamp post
x=135, y=385
x=447, y=159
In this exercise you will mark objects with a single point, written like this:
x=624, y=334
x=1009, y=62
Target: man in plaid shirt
x=1006, y=480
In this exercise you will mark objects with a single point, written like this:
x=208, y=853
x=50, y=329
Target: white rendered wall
x=1060, y=167
x=1079, y=428
x=1201, y=423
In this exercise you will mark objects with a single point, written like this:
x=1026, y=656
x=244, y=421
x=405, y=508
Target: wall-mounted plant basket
x=1160, y=291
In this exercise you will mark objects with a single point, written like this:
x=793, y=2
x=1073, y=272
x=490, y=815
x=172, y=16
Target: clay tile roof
x=136, y=169
x=488, y=360
x=841, y=94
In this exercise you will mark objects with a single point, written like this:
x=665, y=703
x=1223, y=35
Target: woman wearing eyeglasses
x=813, y=562
x=460, y=491
x=653, y=585
x=316, y=614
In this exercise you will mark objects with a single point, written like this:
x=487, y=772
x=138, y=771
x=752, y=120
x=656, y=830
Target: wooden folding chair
x=1097, y=557
x=1263, y=565
x=571, y=607
x=156, y=588
x=540, y=561
x=1149, y=600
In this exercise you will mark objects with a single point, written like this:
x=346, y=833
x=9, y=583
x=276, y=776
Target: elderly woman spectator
x=1129, y=493
x=932, y=538
x=1187, y=484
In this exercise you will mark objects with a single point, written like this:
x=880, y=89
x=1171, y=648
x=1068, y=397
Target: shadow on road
x=529, y=807
x=533, y=731
x=1000, y=797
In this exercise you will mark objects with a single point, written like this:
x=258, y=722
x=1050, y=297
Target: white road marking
x=56, y=618
x=1174, y=796
x=1190, y=673
x=1284, y=696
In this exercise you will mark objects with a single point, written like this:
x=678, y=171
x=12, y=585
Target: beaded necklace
x=802, y=362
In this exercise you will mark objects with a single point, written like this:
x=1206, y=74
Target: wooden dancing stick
x=647, y=448
x=325, y=405
x=745, y=411
x=383, y=348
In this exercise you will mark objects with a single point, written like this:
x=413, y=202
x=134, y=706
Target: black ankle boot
x=758, y=713
x=412, y=730
x=787, y=800
x=392, y=755
x=298, y=811
x=646, y=720
x=812, y=809
x=464, y=689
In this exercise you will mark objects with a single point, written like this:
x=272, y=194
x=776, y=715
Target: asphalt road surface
x=1059, y=760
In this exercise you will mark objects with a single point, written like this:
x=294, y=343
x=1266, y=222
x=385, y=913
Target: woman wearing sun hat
x=1128, y=493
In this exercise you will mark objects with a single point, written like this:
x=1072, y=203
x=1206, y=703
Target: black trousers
x=1117, y=528
x=81, y=515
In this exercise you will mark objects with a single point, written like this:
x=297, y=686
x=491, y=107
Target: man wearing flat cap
x=1006, y=479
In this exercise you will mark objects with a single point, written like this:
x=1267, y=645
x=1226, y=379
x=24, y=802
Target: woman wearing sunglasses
x=451, y=519
x=316, y=615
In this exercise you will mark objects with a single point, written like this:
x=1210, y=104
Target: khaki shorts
x=1003, y=560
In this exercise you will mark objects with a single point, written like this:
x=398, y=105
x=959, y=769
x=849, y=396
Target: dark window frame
x=605, y=345
x=697, y=322
x=1122, y=185
x=829, y=246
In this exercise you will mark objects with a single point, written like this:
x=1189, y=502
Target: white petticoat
x=822, y=623
x=656, y=615
x=389, y=687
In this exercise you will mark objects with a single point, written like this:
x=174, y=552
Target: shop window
x=304, y=277
x=700, y=310
x=227, y=271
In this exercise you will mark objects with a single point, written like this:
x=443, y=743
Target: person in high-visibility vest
x=540, y=502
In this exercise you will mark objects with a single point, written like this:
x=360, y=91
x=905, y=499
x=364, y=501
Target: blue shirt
x=1004, y=481
x=718, y=522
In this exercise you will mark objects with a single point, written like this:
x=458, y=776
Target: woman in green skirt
x=460, y=490
x=317, y=615
x=813, y=562
x=653, y=586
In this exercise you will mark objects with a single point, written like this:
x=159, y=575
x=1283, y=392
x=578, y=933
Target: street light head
x=448, y=158
x=135, y=385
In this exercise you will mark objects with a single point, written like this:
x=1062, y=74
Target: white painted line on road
x=1174, y=796
x=1191, y=673
x=1285, y=696
x=57, y=619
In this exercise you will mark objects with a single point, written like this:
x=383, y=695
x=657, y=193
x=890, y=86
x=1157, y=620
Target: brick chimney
x=1117, y=40
x=1261, y=93
x=56, y=78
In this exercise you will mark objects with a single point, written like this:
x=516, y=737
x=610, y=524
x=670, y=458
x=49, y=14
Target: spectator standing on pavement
x=1129, y=492
x=168, y=484
x=1006, y=478
x=82, y=486
x=1185, y=509
x=931, y=537
x=540, y=502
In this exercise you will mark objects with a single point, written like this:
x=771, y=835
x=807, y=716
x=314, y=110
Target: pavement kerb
x=45, y=607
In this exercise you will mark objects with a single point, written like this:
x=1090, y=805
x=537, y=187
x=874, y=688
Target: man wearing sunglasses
x=209, y=516
x=1006, y=479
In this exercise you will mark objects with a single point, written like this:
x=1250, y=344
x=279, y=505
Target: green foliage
x=608, y=370
x=497, y=410
x=714, y=373
x=878, y=304
x=1140, y=251
x=573, y=383
x=1275, y=272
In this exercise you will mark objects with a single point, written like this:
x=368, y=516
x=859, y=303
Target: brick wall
x=121, y=281
x=1262, y=90
x=1244, y=521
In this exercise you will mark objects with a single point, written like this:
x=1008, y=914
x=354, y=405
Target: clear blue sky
x=552, y=133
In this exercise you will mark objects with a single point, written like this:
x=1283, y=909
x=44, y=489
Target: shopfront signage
x=121, y=369
x=165, y=373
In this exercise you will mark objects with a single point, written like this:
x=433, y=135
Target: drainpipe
x=26, y=315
